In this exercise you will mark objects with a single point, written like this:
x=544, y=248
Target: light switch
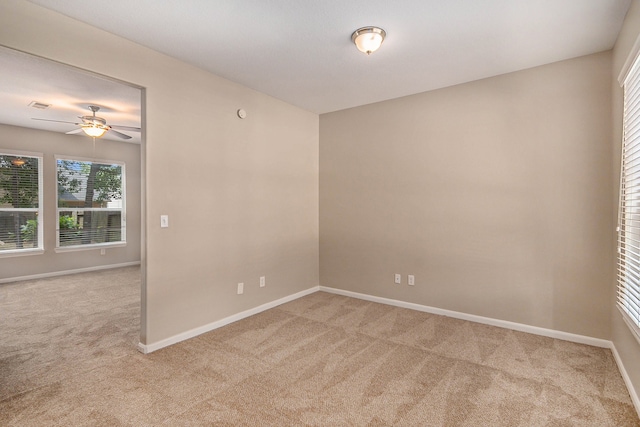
x=164, y=221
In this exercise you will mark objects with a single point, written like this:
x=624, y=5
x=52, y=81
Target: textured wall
x=242, y=195
x=495, y=194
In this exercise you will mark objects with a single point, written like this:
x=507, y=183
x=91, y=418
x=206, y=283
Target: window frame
x=122, y=210
x=39, y=210
x=628, y=256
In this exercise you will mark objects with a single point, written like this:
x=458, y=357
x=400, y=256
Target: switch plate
x=240, y=288
x=164, y=221
x=397, y=279
x=263, y=281
x=411, y=280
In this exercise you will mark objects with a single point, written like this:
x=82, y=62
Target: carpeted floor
x=68, y=357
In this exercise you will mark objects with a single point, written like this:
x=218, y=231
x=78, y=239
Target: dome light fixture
x=95, y=130
x=368, y=39
x=94, y=126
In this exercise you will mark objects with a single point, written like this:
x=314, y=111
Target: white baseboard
x=627, y=380
x=566, y=336
x=148, y=348
x=596, y=342
x=67, y=272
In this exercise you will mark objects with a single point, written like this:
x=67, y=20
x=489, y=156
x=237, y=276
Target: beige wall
x=495, y=194
x=49, y=144
x=626, y=345
x=242, y=195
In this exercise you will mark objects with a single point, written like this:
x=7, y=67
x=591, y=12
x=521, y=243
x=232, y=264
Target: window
x=629, y=214
x=20, y=204
x=91, y=203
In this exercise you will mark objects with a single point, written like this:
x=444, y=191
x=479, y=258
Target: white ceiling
x=25, y=78
x=300, y=51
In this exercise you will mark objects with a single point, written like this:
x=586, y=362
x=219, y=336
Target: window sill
x=90, y=247
x=21, y=252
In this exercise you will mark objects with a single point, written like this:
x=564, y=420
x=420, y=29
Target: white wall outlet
x=263, y=281
x=411, y=280
x=103, y=251
x=164, y=221
x=397, y=279
x=240, y=288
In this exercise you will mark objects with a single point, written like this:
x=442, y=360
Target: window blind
x=20, y=203
x=90, y=203
x=628, y=295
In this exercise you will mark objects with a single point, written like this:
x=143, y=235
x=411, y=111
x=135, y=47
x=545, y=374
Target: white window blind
x=91, y=202
x=20, y=204
x=629, y=214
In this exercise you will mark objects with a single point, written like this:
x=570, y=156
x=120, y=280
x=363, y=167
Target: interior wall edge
x=521, y=327
x=67, y=272
x=149, y=348
x=627, y=379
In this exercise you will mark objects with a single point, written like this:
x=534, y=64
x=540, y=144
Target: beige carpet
x=68, y=357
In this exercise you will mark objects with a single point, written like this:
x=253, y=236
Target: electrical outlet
x=240, y=288
x=411, y=280
x=263, y=281
x=397, y=279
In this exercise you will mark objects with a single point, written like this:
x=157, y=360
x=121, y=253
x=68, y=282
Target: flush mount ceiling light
x=368, y=39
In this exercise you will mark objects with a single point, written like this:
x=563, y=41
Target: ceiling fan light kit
x=95, y=126
x=94, y=131
x=368, y=39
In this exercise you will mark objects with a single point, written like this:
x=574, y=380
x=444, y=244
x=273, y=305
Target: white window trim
x=40, y=209
x=628, y=64
x=632, y=64
x=77, y=248
x=94, y=246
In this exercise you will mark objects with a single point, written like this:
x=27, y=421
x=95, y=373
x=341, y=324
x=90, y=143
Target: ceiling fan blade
x=73, y=132
x=129, y=128
x=119, y=134
x=56, y=121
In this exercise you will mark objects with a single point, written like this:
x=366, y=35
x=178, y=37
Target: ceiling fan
x=96, y=126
